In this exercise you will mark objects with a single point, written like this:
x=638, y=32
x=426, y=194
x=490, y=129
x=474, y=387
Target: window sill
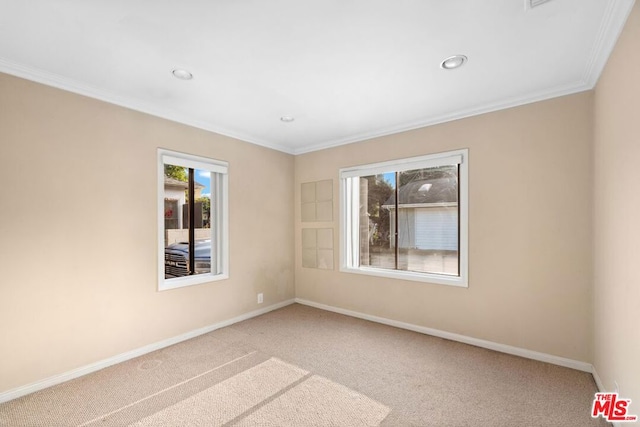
x=182, y=282
x=438, y=279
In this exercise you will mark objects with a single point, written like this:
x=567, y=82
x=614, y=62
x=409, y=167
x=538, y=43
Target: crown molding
x=69, y=85
x=454, y=115
x=611, y=27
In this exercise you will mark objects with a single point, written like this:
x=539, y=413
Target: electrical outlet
x=260, y=298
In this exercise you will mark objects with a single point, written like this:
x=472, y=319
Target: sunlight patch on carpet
x=319, y=402
x=225, y=401
x=273, y=393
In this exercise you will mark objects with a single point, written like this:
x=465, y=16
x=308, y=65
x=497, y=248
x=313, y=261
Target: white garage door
x=437, y=228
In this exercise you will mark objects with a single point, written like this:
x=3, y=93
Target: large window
x=192, y=220
x=407, y=218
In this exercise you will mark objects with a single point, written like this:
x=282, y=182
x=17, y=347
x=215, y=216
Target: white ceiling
x=346, y=70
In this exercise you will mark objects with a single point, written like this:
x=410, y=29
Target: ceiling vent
x=530, y=4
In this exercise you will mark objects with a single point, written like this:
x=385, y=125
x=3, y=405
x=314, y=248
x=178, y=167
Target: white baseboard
x=602, y=389
x=503, y=348
x=84, y=370
x=598, y=381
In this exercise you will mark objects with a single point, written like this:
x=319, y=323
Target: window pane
x=407, y=218
x=428, y=220
x=202, y=221
x=376, y=228
x=178, y=225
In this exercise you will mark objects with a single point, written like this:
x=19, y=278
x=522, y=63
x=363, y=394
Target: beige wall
x=78, y=275
x=617, y=217
x=530, y=230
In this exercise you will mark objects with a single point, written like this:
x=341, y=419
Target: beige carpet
x=300, y=366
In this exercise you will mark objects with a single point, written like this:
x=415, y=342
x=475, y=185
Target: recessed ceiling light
x=286, y=119
x=181, y=74
x=453, y=62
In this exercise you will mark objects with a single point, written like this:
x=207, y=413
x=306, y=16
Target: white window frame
x=219, y=213
x=350, y=207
